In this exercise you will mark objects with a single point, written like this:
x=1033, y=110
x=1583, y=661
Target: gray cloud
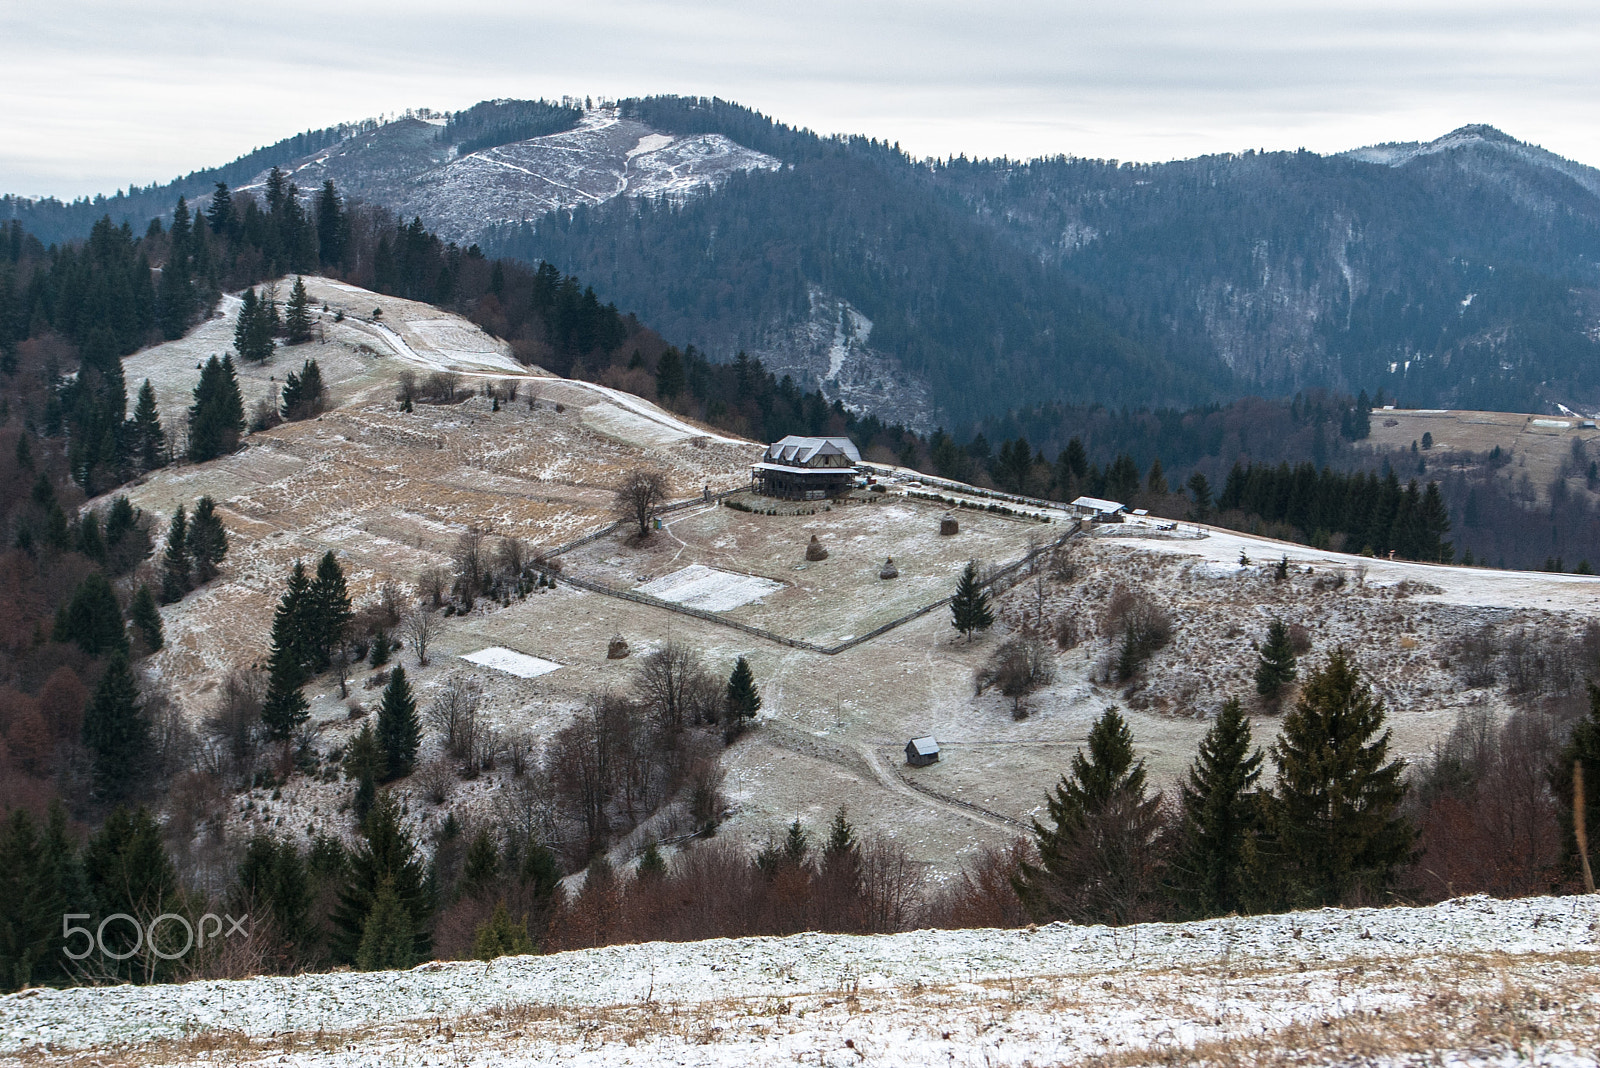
x=96, y=94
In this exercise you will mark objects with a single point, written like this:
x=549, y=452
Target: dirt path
x=896, y=785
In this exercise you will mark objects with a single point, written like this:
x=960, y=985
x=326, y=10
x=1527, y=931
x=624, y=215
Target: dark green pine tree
x=216, y=418
x=399, y=732
x=304, y=395
x=207, y=540
x=1276, y=666
x=1097, y=859
x=388, y=938
x=670, y=375
x=743, y=698
x=255, y=329
x=364, y=763
x=40, y=881
x=284, y=709
x=177, y=568
x=175, y=291
x=386, y=856
x=115, y=732
x=274, y=883
x=1337, y=805
x=332, y=226
x=1200, y=490
x=969, y=608
x=146, y=618
x=128, y=870
x=1221, y=819
x=328, y=612
x=93, y=618
x=146, y=439
x=1435, y=521
x=501, y=936
x=242, y=327
x=219, y=213
x=297, y=314
x=482, y=867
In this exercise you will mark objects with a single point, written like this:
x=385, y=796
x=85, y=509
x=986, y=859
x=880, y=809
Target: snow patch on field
x=707, y=588
x=511, y=662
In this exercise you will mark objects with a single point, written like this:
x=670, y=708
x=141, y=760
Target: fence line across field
x=993, y=581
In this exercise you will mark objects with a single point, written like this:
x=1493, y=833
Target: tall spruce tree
x=1276, y=666
x=284, y=709
x=40, y=881
x=146, y=618
x=332, y=226
x=92, y=619
x=128, y=870
x=273, y=883
x=207, y=540
x=115, y=732
x=297, y=314
x=219, y=213
x=1222, y=811
x=328, y=612
x=216, y=418
x=743, y=698
x=1097, y=861
x=386, y=856
x=304, y=395
x=399, y=732
x=176, y=564
x=147, y=440
x=1336, y=809
x=969, y=608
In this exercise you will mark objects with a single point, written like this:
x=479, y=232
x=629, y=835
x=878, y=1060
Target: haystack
x=618, y=649
x=888, y=570
x=815, y=551
x=948, y=525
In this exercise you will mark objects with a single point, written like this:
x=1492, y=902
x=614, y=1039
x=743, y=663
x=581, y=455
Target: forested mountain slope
x=1463, y=272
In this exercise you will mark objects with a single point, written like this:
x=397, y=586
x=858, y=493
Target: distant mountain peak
x=1487, y=146
x=1478, y=131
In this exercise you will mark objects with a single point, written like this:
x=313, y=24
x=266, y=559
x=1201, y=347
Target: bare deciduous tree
x=454, y=714
x=471, y=560
x=431, y=586
x=420, y=629
x=639, y=498
x=673, y=685
x=1019, y=667
x=513, y=558
x=235, y=719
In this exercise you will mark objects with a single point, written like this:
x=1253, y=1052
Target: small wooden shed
x=920, y=752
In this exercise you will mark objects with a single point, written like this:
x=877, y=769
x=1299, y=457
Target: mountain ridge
x=1458, y=272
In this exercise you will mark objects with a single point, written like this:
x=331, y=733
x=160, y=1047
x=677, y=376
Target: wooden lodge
x=806, y=469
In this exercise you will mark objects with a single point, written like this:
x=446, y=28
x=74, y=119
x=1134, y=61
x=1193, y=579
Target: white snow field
x=1472, y=981
x=511, y=662
x=698, y=586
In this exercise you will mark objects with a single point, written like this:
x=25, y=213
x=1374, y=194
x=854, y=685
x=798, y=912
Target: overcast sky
x=94, y=95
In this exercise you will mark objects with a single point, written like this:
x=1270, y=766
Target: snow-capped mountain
x=406, y=167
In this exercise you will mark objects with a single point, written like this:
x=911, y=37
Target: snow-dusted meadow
x=1472, y=981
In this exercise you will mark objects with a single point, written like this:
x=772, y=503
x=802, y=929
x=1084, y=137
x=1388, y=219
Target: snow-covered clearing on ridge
x=698, y=586
x=511, y=662
x=1396, y=981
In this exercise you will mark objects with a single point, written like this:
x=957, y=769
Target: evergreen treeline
x=499, y=122
x=1369, y=514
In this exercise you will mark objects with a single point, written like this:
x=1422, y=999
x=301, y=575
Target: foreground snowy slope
x=1502, y=978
